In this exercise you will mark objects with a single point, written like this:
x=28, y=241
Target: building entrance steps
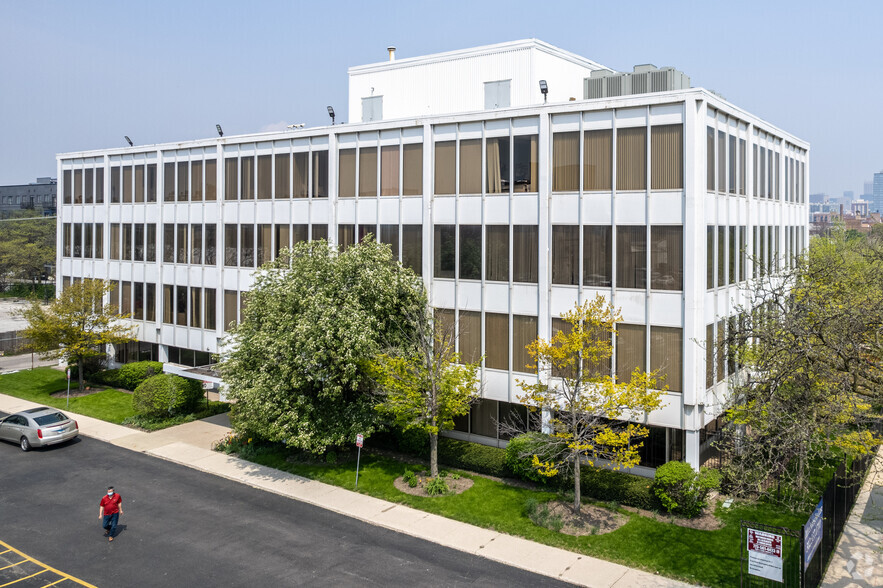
x=190, y=445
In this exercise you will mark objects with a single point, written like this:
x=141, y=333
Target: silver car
x=38, y=427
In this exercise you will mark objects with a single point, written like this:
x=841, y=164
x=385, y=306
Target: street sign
x=359, y=440
x=812, y=534
x=68, y=374
x=765, y=555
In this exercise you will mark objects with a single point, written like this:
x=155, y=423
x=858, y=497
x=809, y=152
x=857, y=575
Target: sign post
x=360, y=439
x=765, y=555
x=68, y=388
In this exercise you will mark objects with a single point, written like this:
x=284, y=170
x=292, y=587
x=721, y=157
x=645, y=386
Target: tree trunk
x=433, y=454
x=80, y=363
x=577, y=499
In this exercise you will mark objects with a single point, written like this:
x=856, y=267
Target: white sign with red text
x=765, y=555
x=359, y=440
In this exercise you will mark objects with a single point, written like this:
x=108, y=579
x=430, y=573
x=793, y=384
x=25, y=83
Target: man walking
x=109, y=510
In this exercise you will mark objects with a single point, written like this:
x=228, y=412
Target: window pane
x=230, y=309
x=368, y=171
x=127, y=241
x=265, y=243
x=709, y=257
x=196, y=307
x=99, y=240
x=67, y=186
x=470, y=166
x=181, y=244
x=78, y=186
x=231, y=178
x=211, y=244
x=445, y=167
x=709, y=159
x=742, y=167
x=181, y=306
x=150, y=302
x=565, y=162
x=151, y=182
x=709, y=356
x=210, y=309
x=139, y=183
x=565, y=254
x=283, y=173
x=389, y=170
x=319, y=232
x=115, y=183
x=300, y=233
x=597, y=255
x=389, y=235
x=346, y=236
x=731, y=165
x=630, y=350
x=231, y=252
x=666, y=356
x=470, y=252
x=127, y=185
x=78, y=241
x=469, y=336
x=183, y=181
x=731, y=258
x=525, y=251
x=721, y=256
x=667, y=257
x=301, y=175
x=196, y=244
x=412, y=248
x=497, y=254
x=721, y=161
x=631, y=159
x=246, y=178
x=126, y=304
x=99, y=185
x=66, y=240
x=444, y=251
x=282, y=236
x=667, y=157
x=320, y=174
x=196, y=181
x=115, y=241
x=498, y=165
x=346, y=173
x=631, y=257
x=524, y=332
x=87, y=240
x=246, y=246
x=496, y=340
x=265, y=177
x=139, y=243
x=412, y=169
x=598, y=160
x=87, y=194
x=483, y=417
x=211, y=180
x=525, y=154
x=167, y=311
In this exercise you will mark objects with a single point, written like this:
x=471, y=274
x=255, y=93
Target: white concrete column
x=691, y=451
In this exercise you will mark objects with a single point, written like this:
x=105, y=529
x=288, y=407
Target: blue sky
x=80, y=75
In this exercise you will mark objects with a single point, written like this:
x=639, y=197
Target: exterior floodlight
x=220, y=131
x=544, y=88
x=331, y=114
x=129, y=141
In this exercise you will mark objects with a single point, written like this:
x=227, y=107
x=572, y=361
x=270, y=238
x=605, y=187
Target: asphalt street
x=182, y=527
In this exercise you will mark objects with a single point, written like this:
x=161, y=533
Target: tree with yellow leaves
x=589, y=410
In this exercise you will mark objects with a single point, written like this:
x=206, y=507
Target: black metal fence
x=786, y=542
x=11, y=342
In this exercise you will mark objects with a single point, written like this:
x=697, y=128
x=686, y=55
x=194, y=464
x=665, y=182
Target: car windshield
x=50, y=419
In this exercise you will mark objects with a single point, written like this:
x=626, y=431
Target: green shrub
x=132, y=374
x=612, y=486
x=683, y=491
x=412, y=483
x=107, y=377
x=408, y=476
x=540, y=515
x=331, y=457
x=471, y=456
x=166, y=394
x=437, y=486
x=519, y=456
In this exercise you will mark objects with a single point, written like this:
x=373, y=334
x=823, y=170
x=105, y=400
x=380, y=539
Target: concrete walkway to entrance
x=190, y=445
x=858, y=559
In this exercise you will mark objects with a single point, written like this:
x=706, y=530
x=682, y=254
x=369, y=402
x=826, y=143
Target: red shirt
x=111, y=503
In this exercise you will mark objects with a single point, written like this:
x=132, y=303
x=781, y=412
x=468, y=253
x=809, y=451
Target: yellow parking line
x=2, y=552
x=48, y=568
x=54, y=583
x=25, y=578
x=16, y=564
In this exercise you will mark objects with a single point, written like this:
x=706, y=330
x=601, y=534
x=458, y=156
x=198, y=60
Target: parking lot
x=21, y=571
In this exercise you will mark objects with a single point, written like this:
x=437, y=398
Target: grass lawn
x=707, y=557
x=36, y=385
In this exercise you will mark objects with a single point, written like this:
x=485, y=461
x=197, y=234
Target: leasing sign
x=765, y=555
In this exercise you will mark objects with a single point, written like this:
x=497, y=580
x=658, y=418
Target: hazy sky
x=78, y=75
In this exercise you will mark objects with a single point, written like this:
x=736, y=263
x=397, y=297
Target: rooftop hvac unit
x=644, y=79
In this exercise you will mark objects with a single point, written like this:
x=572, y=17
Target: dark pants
x=110, y=523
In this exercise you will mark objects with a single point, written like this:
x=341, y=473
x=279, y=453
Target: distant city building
x=860, y=208
x=877, y=200
x=869, y=188
x=818, y=198
x=38, y=196
x=848, y=195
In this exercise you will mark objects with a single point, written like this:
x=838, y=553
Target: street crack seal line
x=47, y=568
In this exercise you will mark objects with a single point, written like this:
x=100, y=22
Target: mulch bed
x=454, y=486
x=591, y=520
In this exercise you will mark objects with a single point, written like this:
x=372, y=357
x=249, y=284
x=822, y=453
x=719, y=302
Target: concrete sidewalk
x=24, y=361
x=858, y=559
x=190, y=445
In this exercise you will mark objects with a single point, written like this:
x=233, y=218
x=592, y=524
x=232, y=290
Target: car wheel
x=25, y=444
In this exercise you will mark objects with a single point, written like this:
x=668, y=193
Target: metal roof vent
x=644, y=79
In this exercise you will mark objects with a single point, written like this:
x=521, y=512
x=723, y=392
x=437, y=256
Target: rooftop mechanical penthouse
x=516, y=179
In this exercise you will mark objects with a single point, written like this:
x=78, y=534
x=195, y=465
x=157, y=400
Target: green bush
x=682, y=490
x=92, y=368
x=408, y=476
x=331, y=457
x=132, y=374
x=437, y=486
x=519, y=456
x=166, y=394
x=107, y=377
x=472, y=456
x=612, y=486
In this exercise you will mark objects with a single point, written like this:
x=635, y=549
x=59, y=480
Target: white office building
x=512, y=203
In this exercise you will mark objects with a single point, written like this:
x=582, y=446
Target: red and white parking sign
x=765, y=555
x=359, y=440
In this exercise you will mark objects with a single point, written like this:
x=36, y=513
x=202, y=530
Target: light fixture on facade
x=331, y=114
x=544, y=88
x=129, y=141
x=220, y=130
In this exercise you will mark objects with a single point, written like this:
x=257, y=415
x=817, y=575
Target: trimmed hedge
x=166, y=395
x=132, y=374
x=472, y=456
x=519, y=456
x=613, y=486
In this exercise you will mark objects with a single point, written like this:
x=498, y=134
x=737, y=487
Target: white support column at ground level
x=163, y=353
x=692, y=449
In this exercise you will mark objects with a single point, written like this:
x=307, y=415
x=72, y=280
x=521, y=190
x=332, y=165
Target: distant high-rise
x=877, y=201
x=869, y=188
x=848, y=195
